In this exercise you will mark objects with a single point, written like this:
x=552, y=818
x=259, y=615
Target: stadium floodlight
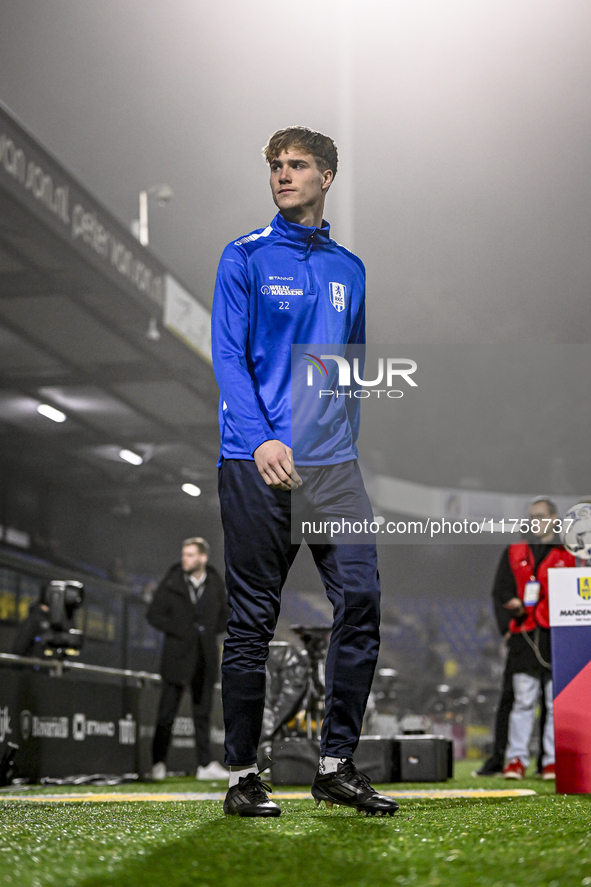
x=153, y=333
x=51, y=413
x=131, y=457
x=191, y=489
x=163, y=194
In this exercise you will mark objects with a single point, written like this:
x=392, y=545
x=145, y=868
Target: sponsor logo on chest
x=280, y=290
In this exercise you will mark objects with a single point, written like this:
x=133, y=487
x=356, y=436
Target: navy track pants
x=259, y=550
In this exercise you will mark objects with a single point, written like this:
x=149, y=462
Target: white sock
x=329, y=765
x=236, y=774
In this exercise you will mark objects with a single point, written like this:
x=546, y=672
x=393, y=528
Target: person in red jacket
x=522, y=580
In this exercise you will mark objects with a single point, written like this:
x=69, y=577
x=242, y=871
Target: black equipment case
x=417, y=758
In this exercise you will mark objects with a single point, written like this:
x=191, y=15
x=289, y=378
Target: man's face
x=540, y=512
x=192, y=559
x=297, y=184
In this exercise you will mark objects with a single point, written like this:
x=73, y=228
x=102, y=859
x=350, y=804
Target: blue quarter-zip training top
x=279, y=286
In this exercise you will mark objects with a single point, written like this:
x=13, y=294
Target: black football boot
x=350, y=788
x=249, y=798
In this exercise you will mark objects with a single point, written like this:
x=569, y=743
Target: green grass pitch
x=543, y=839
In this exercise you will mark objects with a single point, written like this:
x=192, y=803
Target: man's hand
x=274, y=461
x=516, y=606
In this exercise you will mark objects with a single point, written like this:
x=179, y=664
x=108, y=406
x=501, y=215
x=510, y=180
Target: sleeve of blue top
x=356, y=338
x=229, y=329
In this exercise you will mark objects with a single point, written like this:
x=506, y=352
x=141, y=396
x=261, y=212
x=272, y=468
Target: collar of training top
x=301, y=233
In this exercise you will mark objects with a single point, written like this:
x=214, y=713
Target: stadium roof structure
x=93, y=325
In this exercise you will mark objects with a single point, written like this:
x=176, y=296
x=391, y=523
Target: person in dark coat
x=190, y=607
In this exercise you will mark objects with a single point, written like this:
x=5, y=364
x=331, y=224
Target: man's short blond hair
x=200, y=542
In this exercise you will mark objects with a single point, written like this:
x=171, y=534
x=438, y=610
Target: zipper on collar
x=307, y=254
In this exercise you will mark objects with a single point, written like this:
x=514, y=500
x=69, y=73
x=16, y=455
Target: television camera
x=60, y=599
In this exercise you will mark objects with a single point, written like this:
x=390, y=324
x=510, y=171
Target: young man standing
x=290, y=284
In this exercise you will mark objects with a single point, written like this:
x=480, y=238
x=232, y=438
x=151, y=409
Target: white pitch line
x=161, y=797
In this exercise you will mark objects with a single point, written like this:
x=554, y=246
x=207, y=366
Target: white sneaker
x=212, y=771
x=159, y=770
